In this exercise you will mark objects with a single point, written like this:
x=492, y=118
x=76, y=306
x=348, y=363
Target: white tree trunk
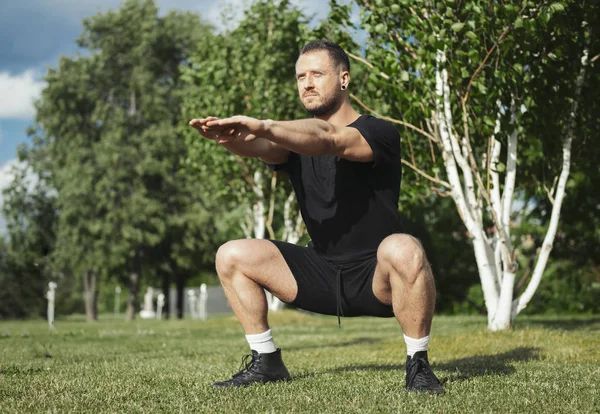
x=495, y=258
x=451, y=157
x=501, y=316
x=520, y=303
x=291, y=234
x=258, y=209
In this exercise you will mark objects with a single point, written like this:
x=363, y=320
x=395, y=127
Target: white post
x=160, y=302
x=51, y=296
x=148, y=309
x=192, y=303
x=202, y=311
x=117, y=300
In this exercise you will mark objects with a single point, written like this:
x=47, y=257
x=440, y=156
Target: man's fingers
x=202, y=121
x=234, y=120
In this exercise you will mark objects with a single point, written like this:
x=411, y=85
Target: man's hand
x=238, y=128
x=215, y=133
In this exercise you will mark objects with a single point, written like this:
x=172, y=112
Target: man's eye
x=301, y=77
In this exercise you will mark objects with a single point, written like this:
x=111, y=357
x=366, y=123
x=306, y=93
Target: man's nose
x=308, y=83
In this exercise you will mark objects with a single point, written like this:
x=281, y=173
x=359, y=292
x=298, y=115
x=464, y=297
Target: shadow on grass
x=349, y=368
x=355, y=341
x=560, y=323
x=483, y=365
x=461, y=369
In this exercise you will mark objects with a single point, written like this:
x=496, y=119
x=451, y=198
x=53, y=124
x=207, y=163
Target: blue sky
x=35, y=33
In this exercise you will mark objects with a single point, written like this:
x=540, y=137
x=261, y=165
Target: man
x=345, y=169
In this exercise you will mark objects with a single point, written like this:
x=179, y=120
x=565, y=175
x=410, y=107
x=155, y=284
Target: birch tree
x=461, y=79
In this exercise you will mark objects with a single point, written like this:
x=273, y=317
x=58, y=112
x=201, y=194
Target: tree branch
x=489, y=53
x=395, y=121
x=511, y=169
x=269, y=223
x=369, y=64
x=424, y=174
x=520, y=303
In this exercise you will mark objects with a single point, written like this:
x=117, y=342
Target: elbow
x=324, y=143
x=331, y=142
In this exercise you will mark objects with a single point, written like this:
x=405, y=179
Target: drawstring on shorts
x=338, y=282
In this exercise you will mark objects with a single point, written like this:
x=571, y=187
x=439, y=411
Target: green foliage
x=498, y=56
x=29, y=209
x=250, y=71
x=107, y=141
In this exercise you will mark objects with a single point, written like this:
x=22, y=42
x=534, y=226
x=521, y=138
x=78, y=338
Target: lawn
x=546, y=364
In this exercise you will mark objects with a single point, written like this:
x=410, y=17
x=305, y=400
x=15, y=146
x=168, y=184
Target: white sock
x=415, y=345
x=262, y=343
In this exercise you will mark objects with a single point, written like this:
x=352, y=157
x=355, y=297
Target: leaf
x=457, y=27
x=404, y=76
x=471, y=35
x=557, y=7
x=489, y=121
x=518, y=23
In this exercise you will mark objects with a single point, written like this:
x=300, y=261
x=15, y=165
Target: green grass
x=547, y=364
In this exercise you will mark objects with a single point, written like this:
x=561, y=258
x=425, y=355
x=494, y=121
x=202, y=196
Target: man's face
x=318, y=82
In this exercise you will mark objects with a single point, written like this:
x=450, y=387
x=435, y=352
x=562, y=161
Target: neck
x=342, y=115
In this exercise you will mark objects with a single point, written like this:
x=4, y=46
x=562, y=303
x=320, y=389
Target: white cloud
x=226, y=14
x=17, y=93
x=7, y=174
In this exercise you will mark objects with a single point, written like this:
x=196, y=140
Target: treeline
x=126, y=194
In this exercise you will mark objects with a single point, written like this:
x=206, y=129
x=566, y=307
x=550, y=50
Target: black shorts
x=333, y=289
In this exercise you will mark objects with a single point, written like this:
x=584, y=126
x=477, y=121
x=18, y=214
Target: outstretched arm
x=304, y=136
x=251, y=146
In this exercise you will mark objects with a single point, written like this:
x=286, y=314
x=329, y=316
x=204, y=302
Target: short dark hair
x=339, y=56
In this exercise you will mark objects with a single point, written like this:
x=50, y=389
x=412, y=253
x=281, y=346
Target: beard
x=326, y=107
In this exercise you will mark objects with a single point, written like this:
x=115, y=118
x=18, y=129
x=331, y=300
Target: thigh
x=315, y=278
x=260, y=261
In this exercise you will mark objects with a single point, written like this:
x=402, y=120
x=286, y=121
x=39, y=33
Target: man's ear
x=345, y=79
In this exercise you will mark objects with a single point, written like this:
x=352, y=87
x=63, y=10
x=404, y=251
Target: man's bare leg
x=403, y=279
x=247, y=267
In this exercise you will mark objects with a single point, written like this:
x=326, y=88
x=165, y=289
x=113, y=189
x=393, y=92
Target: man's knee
x=228, y=259
x=403, y=254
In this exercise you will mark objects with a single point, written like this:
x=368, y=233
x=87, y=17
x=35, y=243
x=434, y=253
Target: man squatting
x=345, y=170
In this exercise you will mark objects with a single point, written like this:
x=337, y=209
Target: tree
x=25, y=267
x=110, y=119
x=463, y=79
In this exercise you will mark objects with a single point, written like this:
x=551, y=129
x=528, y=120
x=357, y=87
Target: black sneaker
x=258, y=368
x=420, y=377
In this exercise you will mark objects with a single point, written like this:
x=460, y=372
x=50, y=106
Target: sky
x=35, y=33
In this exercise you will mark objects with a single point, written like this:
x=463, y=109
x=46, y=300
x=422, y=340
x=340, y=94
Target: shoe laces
x=246, y=365
x=426, y=377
